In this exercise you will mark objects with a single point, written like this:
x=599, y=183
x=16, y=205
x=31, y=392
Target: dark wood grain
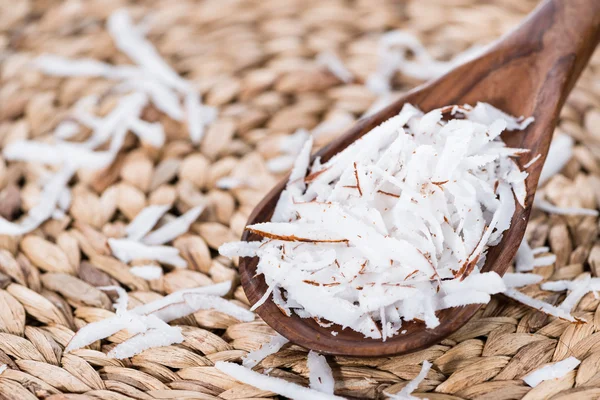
x=528, y=72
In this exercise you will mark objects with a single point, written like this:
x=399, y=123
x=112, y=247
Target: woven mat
x=255, y=61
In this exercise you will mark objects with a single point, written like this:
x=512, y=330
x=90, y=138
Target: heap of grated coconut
x=394, y=227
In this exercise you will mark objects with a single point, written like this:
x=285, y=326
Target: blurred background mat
x=258, y=63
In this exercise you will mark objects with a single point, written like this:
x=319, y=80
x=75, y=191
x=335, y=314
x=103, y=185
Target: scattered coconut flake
x=515, y=280
x=3, y=368
x=198, y=116
x=165, y=99
x=45, y=208
x=147, y=272
x=320, y=375
x=131, y=42
x=59, y=66
x=252, y=359
x=58, y=154
x=174, y=306
x=107, y=128
x=394, y=227
x=123, y=299
x=171, y=230
x=160, y=335
x=199, y=301
x=272, y=384
x=394, y=46
x=551, y=371
x=230, y=182
x=559, y=154
x=333, y=63
x=550, y=208
x=406, y=392
x=152, y=78
x=149, y=132
x=542, y=306
x=525, y=260
x=145, y=318
x=578, y=289
x=66, y=130
x=144, y=221
x=99, y=330
x=128, y=250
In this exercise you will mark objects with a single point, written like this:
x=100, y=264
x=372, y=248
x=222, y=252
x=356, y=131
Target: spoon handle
x=560, y=37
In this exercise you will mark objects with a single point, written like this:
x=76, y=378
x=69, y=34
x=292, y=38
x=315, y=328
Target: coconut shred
x=396, y=226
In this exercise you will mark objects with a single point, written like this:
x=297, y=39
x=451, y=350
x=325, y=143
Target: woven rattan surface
x=255, y=60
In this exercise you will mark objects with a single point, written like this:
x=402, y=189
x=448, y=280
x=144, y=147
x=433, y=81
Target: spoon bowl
x=528, y=72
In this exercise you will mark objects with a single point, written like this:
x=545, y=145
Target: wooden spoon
x=530, y=71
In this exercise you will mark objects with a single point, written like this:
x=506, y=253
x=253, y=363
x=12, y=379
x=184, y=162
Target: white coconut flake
x=175, y=228
x=231, y=182
x=559, y=154
x=144, y=221
x=57, y=154
x=131, y=42
x=525, y=259
x=3, y=368
x=102, y=329
x=406, y=392
x=123, y=299
x=198, y=116
x=161, y=335
x=551, y=371
x=45, y=208
x=578, y=289
x=151, y=317
x=550, y=208
x=394, y=46
x=128, y=107
x=165, y=99
x=84, y=67
x=400, y=220
x=205, y=302
x=544, y=307
x=147, y=272
x=516, y=280
x=333, y=63
x=152, y=78
x=272, y=384
x=174, y=306
x=128, y=250
x=252, y=359
x=66, y=130
x=151, y=133
x=320, y=375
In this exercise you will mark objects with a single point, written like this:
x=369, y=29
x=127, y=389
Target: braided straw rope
x=253, y=59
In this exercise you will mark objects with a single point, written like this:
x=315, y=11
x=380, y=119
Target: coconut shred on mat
x=396, y=226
